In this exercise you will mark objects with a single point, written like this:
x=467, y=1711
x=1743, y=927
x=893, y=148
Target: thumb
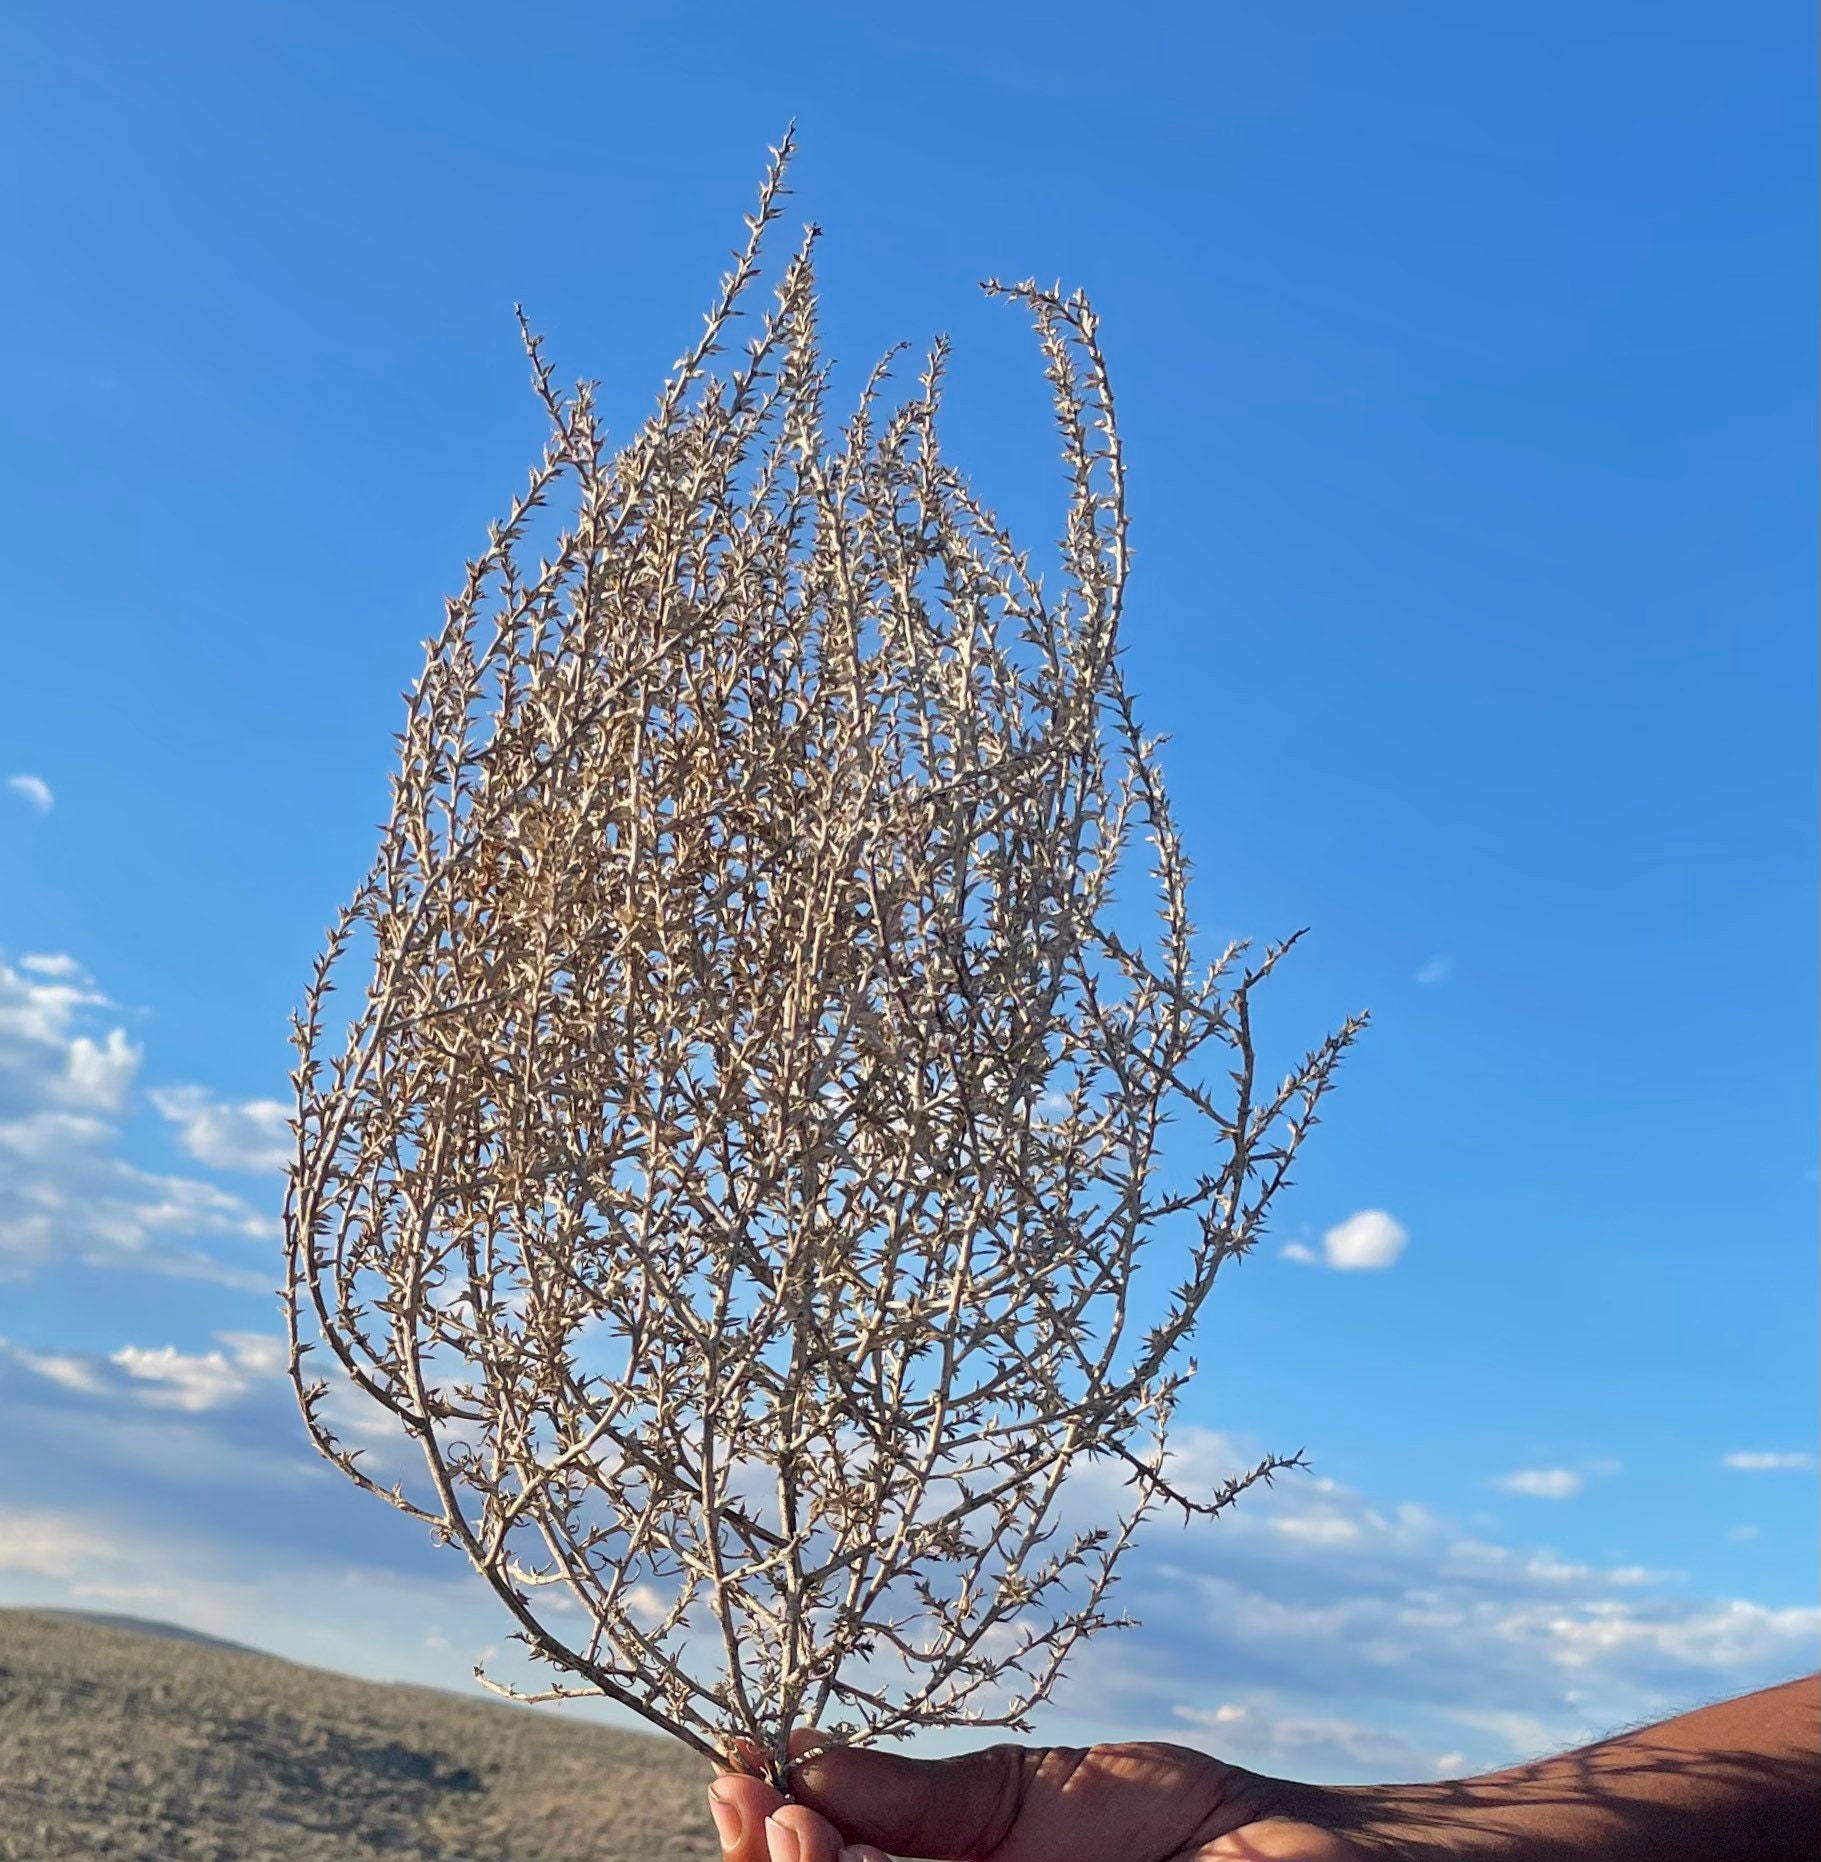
x=944, y=1809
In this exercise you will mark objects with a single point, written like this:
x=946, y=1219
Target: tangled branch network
x=735, y=1171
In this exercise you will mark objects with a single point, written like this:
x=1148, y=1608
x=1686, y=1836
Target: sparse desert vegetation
x=146, y=1748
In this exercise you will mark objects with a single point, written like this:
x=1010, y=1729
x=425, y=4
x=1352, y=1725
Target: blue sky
x=1464, y=363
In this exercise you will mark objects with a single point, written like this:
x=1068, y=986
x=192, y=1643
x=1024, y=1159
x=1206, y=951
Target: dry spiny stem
x=736, y=1172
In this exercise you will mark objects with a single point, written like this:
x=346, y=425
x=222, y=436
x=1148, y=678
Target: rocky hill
x=160, y=1747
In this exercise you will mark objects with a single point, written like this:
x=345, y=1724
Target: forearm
x=1741, y=1779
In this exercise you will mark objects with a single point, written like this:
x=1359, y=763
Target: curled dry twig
x=735, y=1173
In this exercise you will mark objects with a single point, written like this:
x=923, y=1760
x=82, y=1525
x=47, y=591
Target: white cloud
x=35, y=790
x=1740, y=1535
x=259, y=1354
x=66, y=1193
x=1369, y=1239
x=1295, y=1251
x=1436, y=970
x=162, y=1376
x=197, y=1381
x=1365, y=1744
x=135, y=1595
x=1318, y=1742
x=1715, y=1635
x=43, y=1136
x=1365, y=1654
x=98, y=1073
x=63, y=1197
x=646, y=1605
x=1522, y=1733
x=1317, y=1528
x=229, y=1525
x=37, y=1015
x=1750, y=1461
x=1540, y=1483
x=52, y=965
x=1351, y=1652
x=251, y=1134
x=50, y=1545
x=1547, y=1566
x=71, y=1372
x=310, y=1602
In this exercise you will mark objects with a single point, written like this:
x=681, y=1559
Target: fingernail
x=726, y=1819
x=781, y=1840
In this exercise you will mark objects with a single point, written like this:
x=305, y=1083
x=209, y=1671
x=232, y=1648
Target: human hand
x=1110, y=1803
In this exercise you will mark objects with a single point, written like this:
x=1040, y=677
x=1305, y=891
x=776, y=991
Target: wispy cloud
x=1316, y=1528
x=247, y=1134
x=72, y=1373
x=1540, y=1483
x=1436, y=970
x=1302, y=1650
x=51, y=964
x=1310, y=1631
x=1754, y=1461
x=35, y=790
x=1311, y=1742
x=66, y=1192
x=105, y=1403
x=162, y=1376
x=46, y=1544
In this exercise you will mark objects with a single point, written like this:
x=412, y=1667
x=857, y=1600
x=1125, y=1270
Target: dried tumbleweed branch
x=734, y=1175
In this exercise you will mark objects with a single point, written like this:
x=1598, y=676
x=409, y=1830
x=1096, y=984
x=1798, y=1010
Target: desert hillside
x=148, y=1747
